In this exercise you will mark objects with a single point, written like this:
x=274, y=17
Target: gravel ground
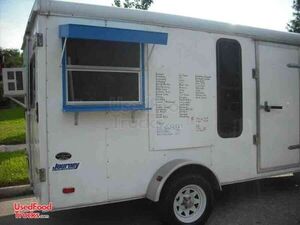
x=274, y=201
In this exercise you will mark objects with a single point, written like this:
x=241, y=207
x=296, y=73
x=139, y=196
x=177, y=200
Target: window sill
x=94, y=108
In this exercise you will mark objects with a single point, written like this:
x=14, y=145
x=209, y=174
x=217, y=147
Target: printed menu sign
x=182, y=117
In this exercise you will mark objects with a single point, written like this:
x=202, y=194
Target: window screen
x=102, y=71
x=103, y=53
x=103, y=86
x=11, y=86
x=19, y=79
x=10, y=75
x=229, y=88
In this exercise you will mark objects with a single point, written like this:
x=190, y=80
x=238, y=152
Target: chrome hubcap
x=189, y=203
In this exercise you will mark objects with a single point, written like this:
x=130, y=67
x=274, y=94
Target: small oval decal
x=63, y=155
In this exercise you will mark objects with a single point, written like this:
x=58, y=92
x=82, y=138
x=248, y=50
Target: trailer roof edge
x=51, y=7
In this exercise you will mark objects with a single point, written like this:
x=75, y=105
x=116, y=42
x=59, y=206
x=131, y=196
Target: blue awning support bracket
x=133, y=117
x=63, y=51
x=112, y=34
x=151, y=51
x=76, y=118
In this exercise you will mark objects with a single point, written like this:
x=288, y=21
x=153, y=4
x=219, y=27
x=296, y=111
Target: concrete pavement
x=12, y=148
x=13, y=191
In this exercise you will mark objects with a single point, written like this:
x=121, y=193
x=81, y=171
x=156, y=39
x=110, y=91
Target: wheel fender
x=164, y=172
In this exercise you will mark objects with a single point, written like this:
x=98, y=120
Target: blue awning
x=112, y=34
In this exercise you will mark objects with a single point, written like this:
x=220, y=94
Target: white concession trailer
x=127, y=104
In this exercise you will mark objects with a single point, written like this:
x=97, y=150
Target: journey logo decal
x=65, y=166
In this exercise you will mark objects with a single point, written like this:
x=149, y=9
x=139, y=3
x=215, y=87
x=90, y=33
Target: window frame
x=13, y=80
x=11, y=86
x=221, y=133
x=104, y=105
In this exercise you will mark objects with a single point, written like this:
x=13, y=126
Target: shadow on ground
x=274, y=201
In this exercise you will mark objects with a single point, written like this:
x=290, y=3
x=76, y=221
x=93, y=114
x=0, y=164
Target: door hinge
x=255, y=139
x=255, y=74
x=38, y=41
x=42, y=174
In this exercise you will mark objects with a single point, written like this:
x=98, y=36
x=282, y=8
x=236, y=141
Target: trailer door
x=278, y=108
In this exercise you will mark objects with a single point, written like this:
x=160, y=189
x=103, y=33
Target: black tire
x=297, y=177
x=170, y=191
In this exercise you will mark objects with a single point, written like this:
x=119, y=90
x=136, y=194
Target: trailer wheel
x=186, y=199
x=297, y=177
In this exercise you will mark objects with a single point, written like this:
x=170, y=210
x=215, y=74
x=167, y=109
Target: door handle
x=37, y=111
x=268, y=107
x=293, y=147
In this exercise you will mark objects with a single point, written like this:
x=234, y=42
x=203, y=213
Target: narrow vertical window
x=229, y=88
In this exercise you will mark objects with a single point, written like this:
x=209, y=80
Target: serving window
x=103, y=72
x=103, y=67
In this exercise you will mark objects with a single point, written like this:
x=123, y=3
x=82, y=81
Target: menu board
x=182, y=111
